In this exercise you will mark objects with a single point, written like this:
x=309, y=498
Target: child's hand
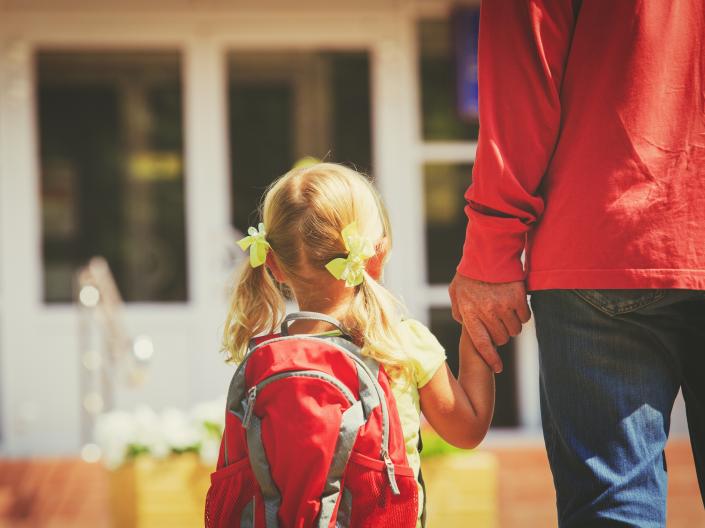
x=461, y=410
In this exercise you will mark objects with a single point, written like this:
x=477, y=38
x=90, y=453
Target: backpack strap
x=247, y=519
x=263, y=474
x=350, y=424
x=368, y=395
x=309, y=316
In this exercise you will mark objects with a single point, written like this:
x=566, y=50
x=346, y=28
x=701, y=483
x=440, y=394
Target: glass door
x=112, y=178
x=284, y=106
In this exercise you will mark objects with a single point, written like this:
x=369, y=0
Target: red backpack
x=312, y=438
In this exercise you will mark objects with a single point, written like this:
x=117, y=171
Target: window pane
x=112, y=170
x=440, y=118
x=444, y=189
x=447, y=330
x=284, y=106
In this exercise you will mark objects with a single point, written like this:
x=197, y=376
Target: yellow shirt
x=426, y=356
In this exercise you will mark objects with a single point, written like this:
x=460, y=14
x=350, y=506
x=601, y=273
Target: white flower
x=150, y=434
x=210, y=449
x=210, y=419
x=179, y=432
x=210, y=414
x=114, y=456
x=211, y=411
x=122, y=434
x=114, y=433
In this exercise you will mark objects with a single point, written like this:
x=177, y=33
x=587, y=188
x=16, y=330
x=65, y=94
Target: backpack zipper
x=315, y=374
x=251, y=397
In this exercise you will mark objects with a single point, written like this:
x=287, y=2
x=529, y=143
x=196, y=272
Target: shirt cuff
x=493, y=248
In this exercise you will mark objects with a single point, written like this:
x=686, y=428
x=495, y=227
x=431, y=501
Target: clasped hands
x=490, y=312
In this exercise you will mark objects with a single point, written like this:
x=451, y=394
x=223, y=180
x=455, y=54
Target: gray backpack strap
x=309, y=316
x=368, y=394
x=350, y=424
x=247, y=519
x=237, y=392
x=263, y=474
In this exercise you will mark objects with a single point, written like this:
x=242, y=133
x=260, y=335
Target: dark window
x=444, y=189
x=439, y=106
x=447, y=330
x=112, y=181
x=285, y=106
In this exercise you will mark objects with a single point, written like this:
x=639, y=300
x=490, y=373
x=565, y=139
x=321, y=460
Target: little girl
x=325, y=238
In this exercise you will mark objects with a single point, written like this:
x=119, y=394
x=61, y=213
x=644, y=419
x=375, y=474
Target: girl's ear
x=375, y=264
x=273, y=266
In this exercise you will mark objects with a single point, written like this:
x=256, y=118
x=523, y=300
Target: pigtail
x=256, y=306
x=373, y=319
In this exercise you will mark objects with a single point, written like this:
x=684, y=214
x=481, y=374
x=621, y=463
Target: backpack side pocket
x=373, y=502
x=230, y=501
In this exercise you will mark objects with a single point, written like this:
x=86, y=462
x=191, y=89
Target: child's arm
x=460, y=410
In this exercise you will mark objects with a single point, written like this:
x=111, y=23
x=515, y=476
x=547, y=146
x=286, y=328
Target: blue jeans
x=611, y=364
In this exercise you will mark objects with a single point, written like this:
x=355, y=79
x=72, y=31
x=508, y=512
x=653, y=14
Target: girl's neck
x=334, y=304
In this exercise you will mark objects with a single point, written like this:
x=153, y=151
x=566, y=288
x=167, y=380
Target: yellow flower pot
x=170, y=493
x=152, y=493
x=462, y=490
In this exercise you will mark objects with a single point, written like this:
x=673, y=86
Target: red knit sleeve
x=522, y=54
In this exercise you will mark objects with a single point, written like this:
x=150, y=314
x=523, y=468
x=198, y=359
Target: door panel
x=285, y=106
x=110, y=135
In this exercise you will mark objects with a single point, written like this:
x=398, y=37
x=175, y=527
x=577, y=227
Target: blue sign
x=466, y=25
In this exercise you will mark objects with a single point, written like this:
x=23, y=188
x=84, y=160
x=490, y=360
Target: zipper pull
x=390, y=472
x=250, y=406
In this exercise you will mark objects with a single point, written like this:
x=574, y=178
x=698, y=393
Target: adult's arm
x=523, y=51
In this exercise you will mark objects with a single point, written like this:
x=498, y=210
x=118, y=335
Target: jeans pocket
x=620, y=302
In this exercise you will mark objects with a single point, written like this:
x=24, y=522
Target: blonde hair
x=304, y=213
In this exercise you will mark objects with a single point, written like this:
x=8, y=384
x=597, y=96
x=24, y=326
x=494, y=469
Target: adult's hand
x=491, y=313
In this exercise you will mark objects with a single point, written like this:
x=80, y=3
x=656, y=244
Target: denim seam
x=626, y=308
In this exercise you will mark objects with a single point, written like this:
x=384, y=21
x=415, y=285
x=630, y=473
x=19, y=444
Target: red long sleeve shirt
x=591, y=154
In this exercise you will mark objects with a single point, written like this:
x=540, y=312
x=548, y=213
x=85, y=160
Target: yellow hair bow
x=351, y=269
x=257, y=244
